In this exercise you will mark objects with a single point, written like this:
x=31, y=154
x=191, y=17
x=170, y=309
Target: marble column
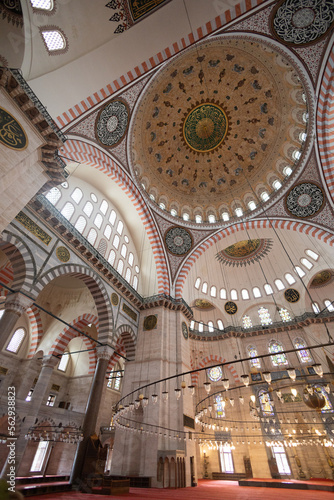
x=92, y=409
x=15, y=305
x=33, y=408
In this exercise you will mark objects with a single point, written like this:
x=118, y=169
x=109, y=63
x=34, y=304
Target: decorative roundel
x=178, y=240
x=150, y=322
x=215, y=374
x=12, y=134
x=305, y=200
x=112, y=123
x=184, y=329
x=114, y=299
x=205, y=127
x=291, y=295
x=322, y=278
x=231, y=307
x=63, y=254
x=302, y=22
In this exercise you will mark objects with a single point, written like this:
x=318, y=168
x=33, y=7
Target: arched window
x=88, y=208
x=107, y=231
x=200, y=326
x=68, y=210
x=287, y=171
x=198, y=219
x=162, y=205
x=225, y=216
x=328, y=408
x=53, y=195
x=290, y=279
x=246, y=322
x=234, y=294
x=112, y=257
x=98, y=221
x=210, y=326
x=114, y=380
x=312, y=254
x=215, y=374
x=80, y=224
x=104, y=207
x=130, y=259
x=264, y=196
x=128, y=275
x=299, y=271
x=205, y=287
x=279, y=284
x=120, y=266
x=77, y=195
x=256, y=292
x=278, y=357
x=16, y=341
x=244, y=294
x=285, y=315
x=265, y=403
x=42, y=4
x=102, y=248
x=135, y=282
x=213, y=291
x=192, y=324
x=329, y=305
x=304, y=354
x=252, y=353
x=238, y=212
x=268, y=289
x=315, y=307
x=277, y=184
x=92, y=235
x=197, y=283
x=63, y=363
x=93, y=197
x=173, y=212
x=185, y=216
x=116, y=241
x=112, y=217
x=306, y=263
x=119, y=228
x=252, y=205
x=212, y=219
x=219, y=406
x=220, y=324
x=54, y=41
x=264, y=316
x=124, y=250
x=222, y=294
x=296, y=154
x=136, y=269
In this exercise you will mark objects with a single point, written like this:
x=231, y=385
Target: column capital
x=50, y=361
x=104, y=352
x=17, y=303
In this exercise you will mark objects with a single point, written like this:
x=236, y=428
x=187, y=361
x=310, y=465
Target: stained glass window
x=264, y=316
x=265, y=403
x=246, y=322
x=328, y=408
x=278, y=357
x=252, y=352
x=304, y=355
x=215, y=374
x=220, y=412
x=285, y=315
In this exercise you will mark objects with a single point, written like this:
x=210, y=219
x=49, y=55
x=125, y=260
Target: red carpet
x=206, y=490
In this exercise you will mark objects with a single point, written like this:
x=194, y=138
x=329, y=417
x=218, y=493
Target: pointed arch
x=129, y=340
x=6, y=277
x=211, y=360
x=92, y=156
x=96, y=288
x=21, y=259
x=282, y=224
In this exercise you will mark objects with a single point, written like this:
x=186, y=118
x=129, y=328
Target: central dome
x=224, y=104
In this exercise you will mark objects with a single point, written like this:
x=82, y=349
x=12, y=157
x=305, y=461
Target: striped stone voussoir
x=21, y=260
x=212, y=360
x=36, y=330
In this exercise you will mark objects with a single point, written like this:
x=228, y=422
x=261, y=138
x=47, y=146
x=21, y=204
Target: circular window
x=215, y=374
x=93, y=197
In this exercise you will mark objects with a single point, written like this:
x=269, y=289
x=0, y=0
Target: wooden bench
x=226, y=476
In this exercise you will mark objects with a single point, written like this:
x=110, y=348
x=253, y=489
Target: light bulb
x=245, y=379
x=292, y=373
x=137, y=403
x=241, y=399
x=318, y=369
x=207, y=386
x=177, y=393
x=279, y=393
x=191, y=389
x=144, y=402
x=164, y=396
x=231, y=401
x=267, y=377
x=253, y=399
x=294, y=391
x=154, y=398
x=226, y=383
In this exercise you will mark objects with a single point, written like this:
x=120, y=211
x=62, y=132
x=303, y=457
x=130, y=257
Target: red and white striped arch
x=213, y=360
x=325, y=123
x=289, y=225
x=90, y=155
x=36, y=329
x=67, y=334
x=6, y=277
x=205, y=30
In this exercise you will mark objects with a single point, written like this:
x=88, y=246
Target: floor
x=206, y=490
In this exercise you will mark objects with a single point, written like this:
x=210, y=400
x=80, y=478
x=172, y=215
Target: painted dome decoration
x=178, y=240
x=245, y=252
x=305, y=200
x=225, y=106
x=112, y=123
